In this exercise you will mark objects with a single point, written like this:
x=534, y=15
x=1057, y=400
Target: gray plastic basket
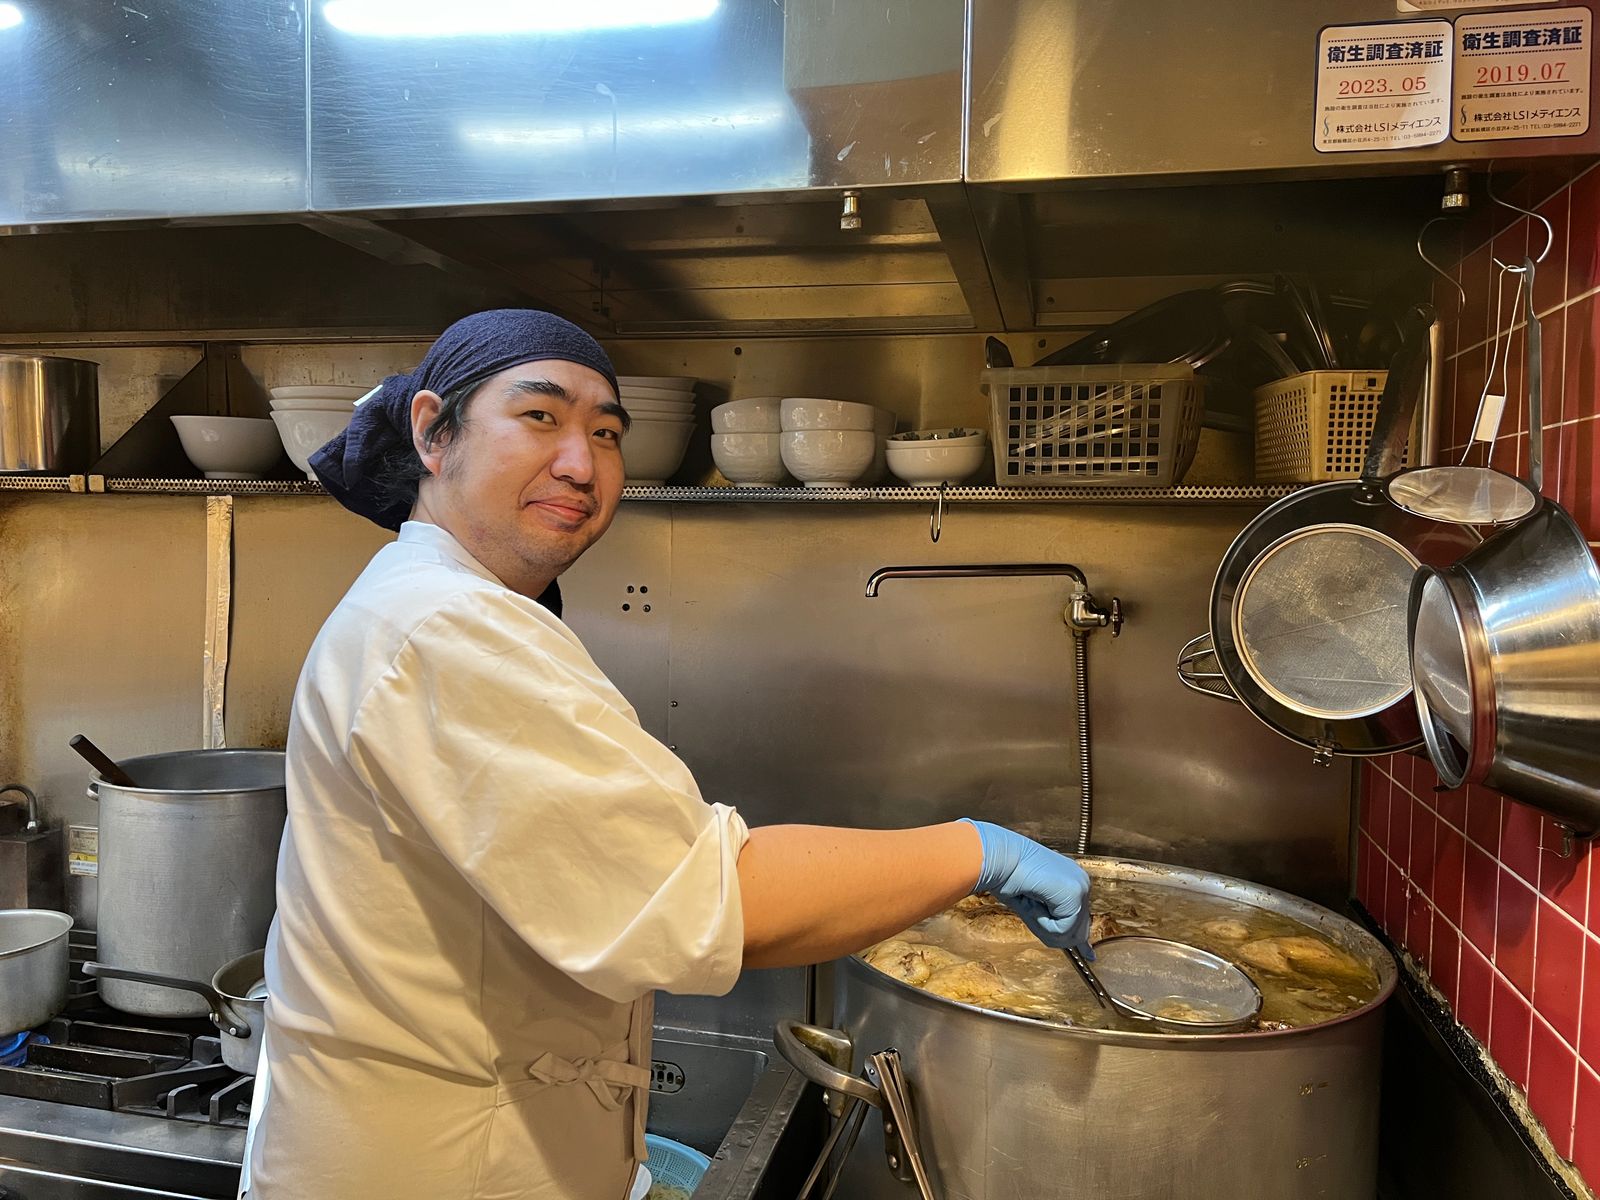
x=1122, y=424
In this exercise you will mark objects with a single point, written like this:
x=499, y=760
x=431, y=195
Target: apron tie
x=612, y=1080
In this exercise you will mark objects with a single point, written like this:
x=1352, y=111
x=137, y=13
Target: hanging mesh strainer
x=1320, y=621
x=1175, y=984
x=1463, y=495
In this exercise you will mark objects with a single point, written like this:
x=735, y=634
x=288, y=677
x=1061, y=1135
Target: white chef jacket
x=487, y=867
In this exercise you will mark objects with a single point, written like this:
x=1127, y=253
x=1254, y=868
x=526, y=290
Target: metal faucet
x=1082, y=614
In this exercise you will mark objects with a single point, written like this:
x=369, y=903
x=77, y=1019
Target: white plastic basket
x=1127, y=424
x=1314, y=427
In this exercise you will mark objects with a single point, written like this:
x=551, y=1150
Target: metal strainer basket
x=1320, y=620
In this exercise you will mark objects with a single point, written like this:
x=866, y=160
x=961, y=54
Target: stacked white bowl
x=662, y=408
x=745, y=441
x=833, y=443
x=310, y=416
x=929, y=457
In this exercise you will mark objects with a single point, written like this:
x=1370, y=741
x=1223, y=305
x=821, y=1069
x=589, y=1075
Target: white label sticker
x=83, y=850
x=1522, y=74
x=1383, y=87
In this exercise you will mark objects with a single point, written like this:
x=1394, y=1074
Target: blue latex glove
x=1047, y=890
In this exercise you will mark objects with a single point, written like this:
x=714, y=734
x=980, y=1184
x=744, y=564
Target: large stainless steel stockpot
x=33, y=966
x=1007, y=1106
x=49, y=413
x=188, y=862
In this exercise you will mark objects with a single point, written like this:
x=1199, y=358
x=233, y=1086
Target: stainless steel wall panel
x=1104, y=89
x=797, y=698
x=101, y=628
x=293, y=559
x=154, y=108
x=478, y=104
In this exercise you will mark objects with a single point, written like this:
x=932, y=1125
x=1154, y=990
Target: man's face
x=534, y=476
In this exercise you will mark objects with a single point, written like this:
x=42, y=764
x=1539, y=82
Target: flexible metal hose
x=1080, y=683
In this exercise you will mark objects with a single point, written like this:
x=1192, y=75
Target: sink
x=734, y=1099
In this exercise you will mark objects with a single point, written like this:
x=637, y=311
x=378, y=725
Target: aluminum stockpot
x=33, y=966
x=188, y=865
x=49, y=413
x=1007, y=1106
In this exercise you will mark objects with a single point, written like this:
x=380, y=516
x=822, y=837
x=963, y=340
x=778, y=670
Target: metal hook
x=936, y=517
x=1461, y=292
x=1549, y=230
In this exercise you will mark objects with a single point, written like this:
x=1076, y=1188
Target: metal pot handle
x=215, y=1002
x=804, y=1046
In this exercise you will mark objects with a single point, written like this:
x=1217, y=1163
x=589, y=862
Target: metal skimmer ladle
x=1169, y=983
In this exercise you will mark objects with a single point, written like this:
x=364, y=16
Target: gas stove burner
x=170, y=1069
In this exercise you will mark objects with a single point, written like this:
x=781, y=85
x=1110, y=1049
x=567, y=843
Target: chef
x=489, y=867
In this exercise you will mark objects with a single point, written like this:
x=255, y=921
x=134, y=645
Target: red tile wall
x=1469, y=882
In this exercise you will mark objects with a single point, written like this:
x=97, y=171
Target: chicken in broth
x=980, y=953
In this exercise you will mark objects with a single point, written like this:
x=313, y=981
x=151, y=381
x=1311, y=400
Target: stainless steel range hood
x=672, y=167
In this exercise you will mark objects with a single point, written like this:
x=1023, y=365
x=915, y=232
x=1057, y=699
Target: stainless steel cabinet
x=150, y=109
x=483, y=104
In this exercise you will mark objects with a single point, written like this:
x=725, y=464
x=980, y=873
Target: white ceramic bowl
x=312, y=404
x=828, y=457
x=321, y=391
x=674, y=383
x=749, y=459
x=945, y=437
x=669, y=408
x=306, y=431
x=653, y=450
x=650, y=393
x=809, y=412
x=229, y=447
x=661, y=419
x=926, y=464
x=753, y=414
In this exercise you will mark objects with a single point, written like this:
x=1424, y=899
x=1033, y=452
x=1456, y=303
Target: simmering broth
x=980, y=953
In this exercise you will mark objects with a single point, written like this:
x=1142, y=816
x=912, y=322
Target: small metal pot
x=33, y=966
x=1505, y=658
x=49, y=413
x=236, y=998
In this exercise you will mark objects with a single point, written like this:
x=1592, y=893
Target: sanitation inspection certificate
x=1383, y=86
x=1522, y=74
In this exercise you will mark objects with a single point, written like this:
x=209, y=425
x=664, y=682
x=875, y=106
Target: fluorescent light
x=463, y=18
x=10, y=16
x=699, y=124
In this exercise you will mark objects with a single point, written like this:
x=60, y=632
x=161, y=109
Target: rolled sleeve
x=494, y=737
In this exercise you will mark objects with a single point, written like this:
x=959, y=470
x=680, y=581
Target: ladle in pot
x=101, y=761
x=1147, y=972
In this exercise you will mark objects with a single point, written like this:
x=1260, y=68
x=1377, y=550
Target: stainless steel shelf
x=43, y=483
x=959, y=495
x=98, y=484
x=209, y=487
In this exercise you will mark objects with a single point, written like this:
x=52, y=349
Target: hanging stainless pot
x=1308, y=606
x=1505, y=648
x=188, y=866
x=1506, y=658
x=235, y=999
